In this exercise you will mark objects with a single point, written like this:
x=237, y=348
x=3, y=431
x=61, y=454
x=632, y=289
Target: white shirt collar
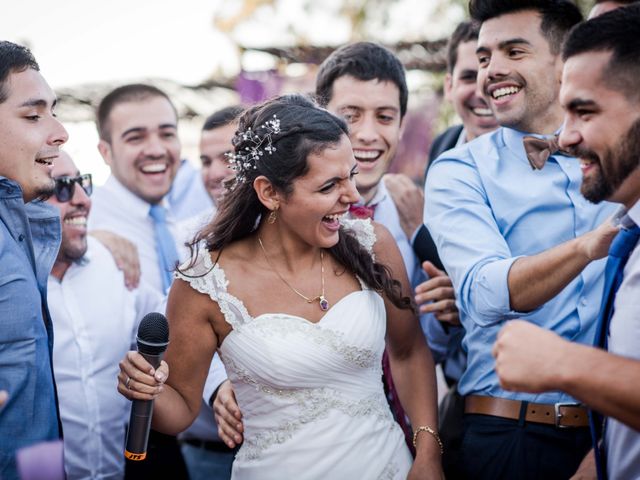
x=634, y=213
x=136, y=205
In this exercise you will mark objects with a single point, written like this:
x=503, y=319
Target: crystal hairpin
x=260, y=140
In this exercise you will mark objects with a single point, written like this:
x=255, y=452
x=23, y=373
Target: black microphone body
x=152, y=339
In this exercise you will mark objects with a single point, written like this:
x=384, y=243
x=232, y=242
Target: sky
x=79, y=41
x=89, y=41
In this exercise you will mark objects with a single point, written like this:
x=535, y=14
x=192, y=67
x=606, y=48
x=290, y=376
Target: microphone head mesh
x=153, y=333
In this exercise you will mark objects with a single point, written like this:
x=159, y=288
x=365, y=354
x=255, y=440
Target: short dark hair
x=223, y=117
x=464, y=32
x=364, y=61
x=618, y=32
x=557, y=16
x=13, y=58
x=135, y=92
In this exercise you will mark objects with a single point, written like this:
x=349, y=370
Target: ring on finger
x=126, y=384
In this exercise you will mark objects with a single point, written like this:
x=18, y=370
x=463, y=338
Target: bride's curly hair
x=305, y=129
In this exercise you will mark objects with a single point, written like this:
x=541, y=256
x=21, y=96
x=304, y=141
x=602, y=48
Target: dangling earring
x=273, y=216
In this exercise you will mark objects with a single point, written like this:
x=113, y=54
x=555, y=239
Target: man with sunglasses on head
x=93, y=330
x=30, y=138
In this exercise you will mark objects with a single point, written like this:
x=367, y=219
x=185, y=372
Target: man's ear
x=402, y=124
x=105, y=150
x=558, y=67
x=267, y=193
x=448, y=86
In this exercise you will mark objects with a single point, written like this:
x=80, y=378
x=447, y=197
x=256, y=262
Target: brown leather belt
x=560, y=415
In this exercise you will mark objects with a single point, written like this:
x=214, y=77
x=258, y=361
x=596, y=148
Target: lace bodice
x=300, y=384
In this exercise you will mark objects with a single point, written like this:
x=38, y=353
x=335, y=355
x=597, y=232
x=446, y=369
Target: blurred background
x=210, y=54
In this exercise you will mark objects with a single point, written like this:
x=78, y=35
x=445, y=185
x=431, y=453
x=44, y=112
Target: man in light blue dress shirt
x=518, y=243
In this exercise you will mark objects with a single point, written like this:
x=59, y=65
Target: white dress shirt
x=118, y=210
x=95, y=320
x=623, y=442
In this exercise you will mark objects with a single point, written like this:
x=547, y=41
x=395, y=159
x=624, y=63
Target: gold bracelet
x=433, y=433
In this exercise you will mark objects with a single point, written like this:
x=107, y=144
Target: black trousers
x=496, y=448
x=164, y=460
x=450, y=426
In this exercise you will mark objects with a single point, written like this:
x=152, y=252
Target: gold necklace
x=324, y=303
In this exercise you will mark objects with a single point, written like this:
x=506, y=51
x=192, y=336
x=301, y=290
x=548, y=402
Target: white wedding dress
x=311, y=394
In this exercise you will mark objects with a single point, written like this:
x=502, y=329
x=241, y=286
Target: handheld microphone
x=152, y=339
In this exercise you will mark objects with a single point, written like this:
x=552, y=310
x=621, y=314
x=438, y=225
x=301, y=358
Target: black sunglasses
x=66, y=186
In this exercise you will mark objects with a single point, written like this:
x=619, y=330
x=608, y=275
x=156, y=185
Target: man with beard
x=93, y=331
x=30, y=139
x=602, y=128
x=518, y=242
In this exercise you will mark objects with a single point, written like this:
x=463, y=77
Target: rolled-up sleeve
x=473, y=250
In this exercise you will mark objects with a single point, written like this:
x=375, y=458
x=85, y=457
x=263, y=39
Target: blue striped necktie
x=165, y=245
x=619, y=252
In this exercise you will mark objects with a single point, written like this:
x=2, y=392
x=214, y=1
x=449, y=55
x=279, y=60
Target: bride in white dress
x=298, y=304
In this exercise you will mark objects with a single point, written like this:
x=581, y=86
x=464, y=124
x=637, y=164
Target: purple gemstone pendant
x=324, y=304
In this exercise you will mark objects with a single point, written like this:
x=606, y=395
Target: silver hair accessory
x=260, y=141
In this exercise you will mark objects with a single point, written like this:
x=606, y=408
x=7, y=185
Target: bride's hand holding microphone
x=138, y=380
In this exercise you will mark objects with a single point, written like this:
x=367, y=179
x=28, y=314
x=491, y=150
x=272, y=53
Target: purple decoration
x=324, y=304
x=42, y=461
x=255, y=87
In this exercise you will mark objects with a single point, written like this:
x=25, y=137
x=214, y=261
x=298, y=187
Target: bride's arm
x=411, y=362
x=192, y=343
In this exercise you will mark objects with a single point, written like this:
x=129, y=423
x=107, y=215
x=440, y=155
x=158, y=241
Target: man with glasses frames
x=93, y=330
x=65, y=186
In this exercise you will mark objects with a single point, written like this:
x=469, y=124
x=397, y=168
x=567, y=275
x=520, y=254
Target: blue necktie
x=619, y=252
x=165, y=245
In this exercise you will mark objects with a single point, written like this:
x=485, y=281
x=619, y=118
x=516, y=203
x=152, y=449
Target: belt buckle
x=559, y=415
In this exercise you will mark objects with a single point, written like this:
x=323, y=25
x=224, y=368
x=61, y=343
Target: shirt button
x=583, y=301
x=21, y=237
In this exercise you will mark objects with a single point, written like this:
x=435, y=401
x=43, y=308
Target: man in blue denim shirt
x=518, y=243
x=30, y=137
